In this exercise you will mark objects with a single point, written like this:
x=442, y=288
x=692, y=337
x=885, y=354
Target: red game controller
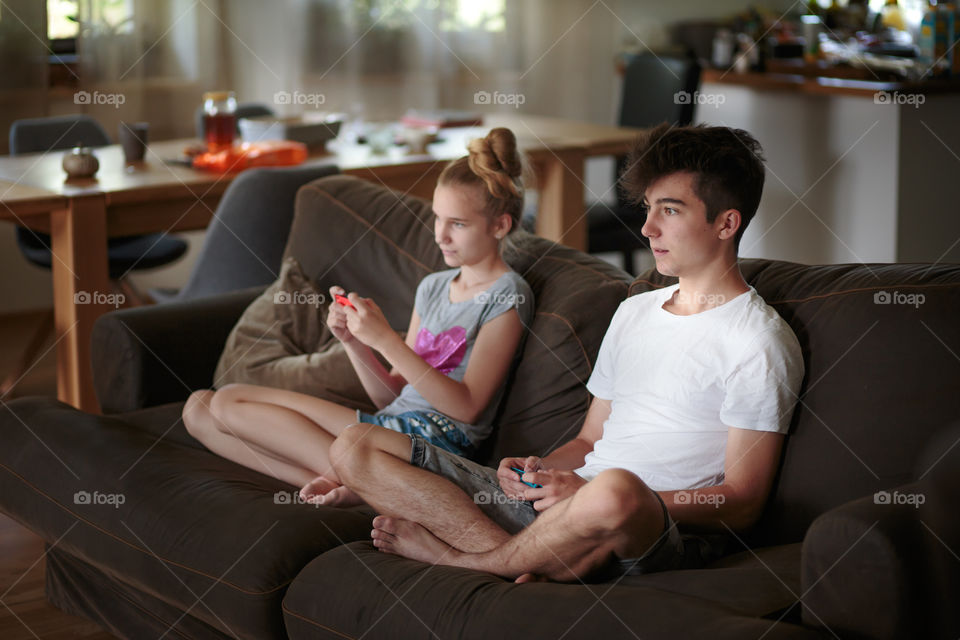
x=343, y=301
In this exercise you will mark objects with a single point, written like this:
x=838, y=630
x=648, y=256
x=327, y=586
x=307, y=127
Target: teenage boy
x=693, y=388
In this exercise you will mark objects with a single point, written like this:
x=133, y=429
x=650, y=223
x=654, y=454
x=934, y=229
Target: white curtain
x=371, y=59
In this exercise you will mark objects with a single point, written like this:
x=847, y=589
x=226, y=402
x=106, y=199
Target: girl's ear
x=501, y=225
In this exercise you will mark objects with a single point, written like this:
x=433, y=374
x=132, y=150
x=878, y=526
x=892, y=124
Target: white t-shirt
x=676, y=383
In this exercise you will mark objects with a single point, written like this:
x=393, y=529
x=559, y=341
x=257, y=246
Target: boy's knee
x=616, y=498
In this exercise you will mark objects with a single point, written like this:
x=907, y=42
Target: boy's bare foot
x=411, y=540
x=324, y=491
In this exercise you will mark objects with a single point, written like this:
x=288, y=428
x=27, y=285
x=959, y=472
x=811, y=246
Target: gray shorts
x=672, y=550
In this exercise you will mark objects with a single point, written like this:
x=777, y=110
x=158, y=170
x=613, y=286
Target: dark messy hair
x=727, y=163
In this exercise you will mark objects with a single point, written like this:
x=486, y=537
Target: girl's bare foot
x=324, y=491
x=531, y=577
x=411, y=540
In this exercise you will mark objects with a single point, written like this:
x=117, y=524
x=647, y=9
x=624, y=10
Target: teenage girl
x=447, y=376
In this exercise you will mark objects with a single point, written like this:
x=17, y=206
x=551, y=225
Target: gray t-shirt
x=448, y=331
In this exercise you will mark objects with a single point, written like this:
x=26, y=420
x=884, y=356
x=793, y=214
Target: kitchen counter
x=803, y=79
x=857, y=170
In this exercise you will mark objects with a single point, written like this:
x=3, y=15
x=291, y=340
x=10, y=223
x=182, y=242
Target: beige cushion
x=282, y=341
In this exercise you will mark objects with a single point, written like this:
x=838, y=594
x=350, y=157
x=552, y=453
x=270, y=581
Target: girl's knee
x=346, y=447
x=222, y=398
x=196, y=412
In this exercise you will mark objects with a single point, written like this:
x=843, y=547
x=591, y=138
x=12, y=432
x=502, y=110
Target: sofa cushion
x=176, y=523
x=282, y=340
x=392, y=596
x=880, y=344
x=380, y=243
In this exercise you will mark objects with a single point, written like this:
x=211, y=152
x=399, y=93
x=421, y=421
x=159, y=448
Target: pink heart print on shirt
x=444, y=351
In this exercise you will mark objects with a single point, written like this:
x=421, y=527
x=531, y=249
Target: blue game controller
x=529, y=484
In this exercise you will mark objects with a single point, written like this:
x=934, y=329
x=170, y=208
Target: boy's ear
x=728, y=223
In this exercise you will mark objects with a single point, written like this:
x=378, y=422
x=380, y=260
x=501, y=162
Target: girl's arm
x=464, y=400
x=381, y=385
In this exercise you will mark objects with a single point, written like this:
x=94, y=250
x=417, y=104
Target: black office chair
x=244, y=110
x=656, y=88
x=124, y=254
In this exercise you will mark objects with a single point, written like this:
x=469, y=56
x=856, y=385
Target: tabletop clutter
x=893, y=42
x=269, y=140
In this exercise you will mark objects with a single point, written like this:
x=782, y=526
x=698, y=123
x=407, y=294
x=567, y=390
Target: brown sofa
x=170, y=540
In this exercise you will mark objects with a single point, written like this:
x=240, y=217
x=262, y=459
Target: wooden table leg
x=81, y=293
x=561, y=212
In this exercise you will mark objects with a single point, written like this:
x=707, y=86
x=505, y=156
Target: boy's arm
x=750, y=465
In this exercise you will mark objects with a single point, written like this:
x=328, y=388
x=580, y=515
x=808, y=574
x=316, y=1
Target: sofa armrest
x=863, y=567
x=153, y=355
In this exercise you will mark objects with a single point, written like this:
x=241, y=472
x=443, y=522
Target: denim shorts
x=672, y=550
x=435, y=428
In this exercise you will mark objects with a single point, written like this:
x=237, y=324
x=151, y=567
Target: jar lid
x=218, y=95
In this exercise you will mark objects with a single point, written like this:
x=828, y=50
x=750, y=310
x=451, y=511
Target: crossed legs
x=280, y=433
x=428, y=518
x=376, y=462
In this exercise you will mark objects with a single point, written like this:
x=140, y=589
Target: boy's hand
x=556, y=486
x=510, y=479
x=337, y=318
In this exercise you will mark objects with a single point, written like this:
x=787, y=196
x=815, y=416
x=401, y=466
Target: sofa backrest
x=881, y=345
x=380, y=243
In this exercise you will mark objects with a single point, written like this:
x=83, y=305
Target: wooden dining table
x=162, y=194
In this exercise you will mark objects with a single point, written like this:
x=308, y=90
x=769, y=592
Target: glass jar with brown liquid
x=219, y=120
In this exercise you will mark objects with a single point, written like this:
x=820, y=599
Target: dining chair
x=124, y=254
x=656, y=88
x=244, y=243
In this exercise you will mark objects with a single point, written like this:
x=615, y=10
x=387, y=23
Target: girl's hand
x=510, y=480
x=336, y=318
x=367, y=323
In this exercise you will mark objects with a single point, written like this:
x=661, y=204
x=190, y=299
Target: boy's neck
x=707, y=290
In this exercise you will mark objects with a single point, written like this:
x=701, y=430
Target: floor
x=24, y=611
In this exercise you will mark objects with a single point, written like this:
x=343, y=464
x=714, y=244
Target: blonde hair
x=497, y=169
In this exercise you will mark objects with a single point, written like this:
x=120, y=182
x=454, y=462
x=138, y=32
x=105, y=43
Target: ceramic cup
x=133, y=139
